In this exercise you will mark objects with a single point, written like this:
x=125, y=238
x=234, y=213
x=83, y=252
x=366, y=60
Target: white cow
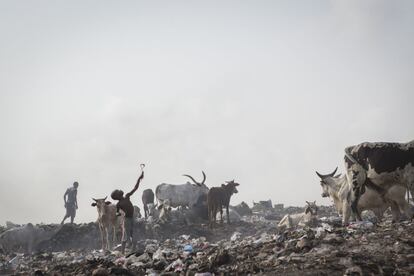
x=305, y=218
x=181, y=195
x=339, y=188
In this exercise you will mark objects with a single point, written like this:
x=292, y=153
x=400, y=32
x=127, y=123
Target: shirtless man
x=71, y=203
x=124, y=203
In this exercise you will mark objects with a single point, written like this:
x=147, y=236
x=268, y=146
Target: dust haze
x=262, y=92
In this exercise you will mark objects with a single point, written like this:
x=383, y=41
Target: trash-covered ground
x=253, y=245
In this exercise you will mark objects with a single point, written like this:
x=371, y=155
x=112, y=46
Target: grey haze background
x=265, y=92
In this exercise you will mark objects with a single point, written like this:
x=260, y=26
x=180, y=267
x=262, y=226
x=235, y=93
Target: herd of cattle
x=377, y=176
x=196, y=196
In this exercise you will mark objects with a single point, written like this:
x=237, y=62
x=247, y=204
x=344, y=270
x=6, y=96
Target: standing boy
x=124, y=203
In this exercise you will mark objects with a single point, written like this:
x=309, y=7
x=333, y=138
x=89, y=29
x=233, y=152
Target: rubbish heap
x=253, y=245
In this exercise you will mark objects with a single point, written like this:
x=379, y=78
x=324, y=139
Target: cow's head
x=326, y=182
x=230, y=186
x=311, y=208
x=100, y=204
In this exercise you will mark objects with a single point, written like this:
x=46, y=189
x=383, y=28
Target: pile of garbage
x=253, y=245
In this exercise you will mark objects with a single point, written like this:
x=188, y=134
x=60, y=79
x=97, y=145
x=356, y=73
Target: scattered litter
x=253, y=245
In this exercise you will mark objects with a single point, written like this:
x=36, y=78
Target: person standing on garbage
x=71, y=202
x=124, y=204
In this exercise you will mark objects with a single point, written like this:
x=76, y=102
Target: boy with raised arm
x=124, y=203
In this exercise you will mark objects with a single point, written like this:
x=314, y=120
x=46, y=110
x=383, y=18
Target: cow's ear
x=107, y=202
x=307, y=210
x=93, y=204
x=159, y=207
x=236, y=184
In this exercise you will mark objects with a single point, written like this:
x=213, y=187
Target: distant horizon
x=265, y=93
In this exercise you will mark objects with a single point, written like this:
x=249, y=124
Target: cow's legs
x=114, y=240
x=221, y=214
x=227, y=213
x=101, y=228
x=210, y=217
x=213, y=214
x=146, y=213
x=106, y=237
x=405, y=208
x=346, y=213
x=395, y=210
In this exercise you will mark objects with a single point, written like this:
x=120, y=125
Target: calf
x=147, y=198
x=339, y=189
x=219, y=197
x=301, y=219
x=107, y=220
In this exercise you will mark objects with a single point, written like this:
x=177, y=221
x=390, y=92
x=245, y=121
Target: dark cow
x=147, y=198
x=219, y=197
x=379, y=166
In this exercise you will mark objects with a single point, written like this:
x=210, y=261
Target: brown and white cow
x=107, y=221
x=379, y=166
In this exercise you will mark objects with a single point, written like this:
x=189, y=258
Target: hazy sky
x=264, y=92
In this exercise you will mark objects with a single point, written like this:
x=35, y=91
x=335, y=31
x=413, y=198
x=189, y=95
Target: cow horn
x=189, y=176
x=334, y=172
x=105, y=198
x=320, y=175
x=204, y=177
x=94, y=199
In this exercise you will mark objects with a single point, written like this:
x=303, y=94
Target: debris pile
x=362, y=248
